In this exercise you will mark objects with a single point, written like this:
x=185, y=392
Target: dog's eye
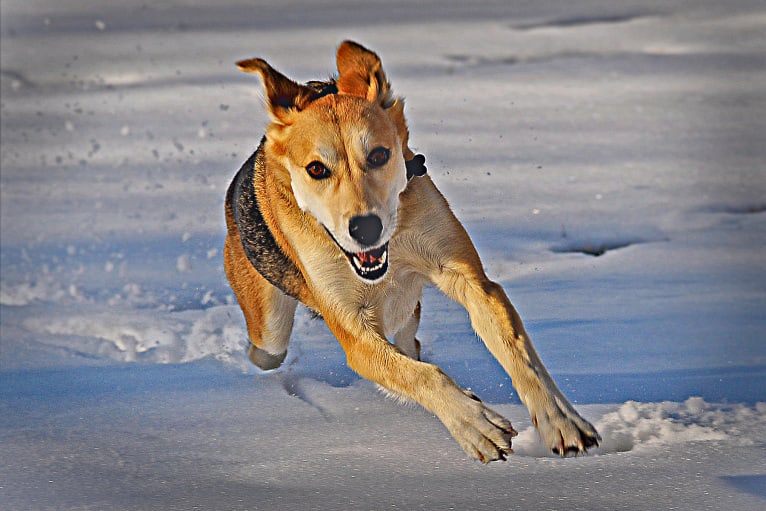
x=317, y=170
x=378, y=157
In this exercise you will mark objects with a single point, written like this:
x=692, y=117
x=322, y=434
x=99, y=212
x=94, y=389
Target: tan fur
x=427, y=244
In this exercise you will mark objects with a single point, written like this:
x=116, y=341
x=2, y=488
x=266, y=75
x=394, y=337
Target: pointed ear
x=361, y=74
x=283, y=95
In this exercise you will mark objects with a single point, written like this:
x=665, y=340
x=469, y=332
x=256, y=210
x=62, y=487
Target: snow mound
x=163, y=337
x=638, y=426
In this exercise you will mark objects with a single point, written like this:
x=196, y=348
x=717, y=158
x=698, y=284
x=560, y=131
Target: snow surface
x=606, y=157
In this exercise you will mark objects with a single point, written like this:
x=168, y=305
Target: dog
x=335, y=211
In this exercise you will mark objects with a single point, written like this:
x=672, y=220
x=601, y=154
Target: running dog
x=335, y=211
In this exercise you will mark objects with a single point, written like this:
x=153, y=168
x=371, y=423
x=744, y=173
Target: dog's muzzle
x=372, y=265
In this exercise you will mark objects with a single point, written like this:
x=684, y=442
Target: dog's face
x=347, y=171
x=345, y=153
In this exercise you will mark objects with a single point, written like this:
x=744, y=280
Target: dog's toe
x=565, y=432
x=483, y=434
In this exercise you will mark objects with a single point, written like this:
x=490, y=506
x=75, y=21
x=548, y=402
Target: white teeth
x=369, y=269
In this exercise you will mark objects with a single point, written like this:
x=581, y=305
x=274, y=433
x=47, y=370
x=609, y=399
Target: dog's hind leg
x=405, y=339
x=268, y=311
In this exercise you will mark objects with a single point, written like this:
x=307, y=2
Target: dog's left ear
x=361, y=74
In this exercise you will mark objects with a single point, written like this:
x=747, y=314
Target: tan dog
x=327, y=212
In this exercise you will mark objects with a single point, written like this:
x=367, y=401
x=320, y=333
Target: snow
x=607, y=159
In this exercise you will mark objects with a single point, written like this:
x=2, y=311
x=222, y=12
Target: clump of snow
x=652, y=426
x=183, y=263
x=642, y=425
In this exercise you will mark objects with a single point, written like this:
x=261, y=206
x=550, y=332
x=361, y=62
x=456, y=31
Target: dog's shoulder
x=258, y=242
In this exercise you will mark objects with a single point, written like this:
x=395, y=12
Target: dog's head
x=344, y=145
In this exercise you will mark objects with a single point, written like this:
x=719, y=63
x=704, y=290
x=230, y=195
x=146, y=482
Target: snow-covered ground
x=608, y=158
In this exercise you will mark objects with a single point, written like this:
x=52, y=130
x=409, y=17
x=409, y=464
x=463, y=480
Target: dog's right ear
x=283, y=95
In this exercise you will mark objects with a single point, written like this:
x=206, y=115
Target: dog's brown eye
x=378, y=157
x=317, y=170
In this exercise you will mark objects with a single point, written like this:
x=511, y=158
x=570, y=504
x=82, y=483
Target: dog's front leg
x=496, y=321
x=482, y=433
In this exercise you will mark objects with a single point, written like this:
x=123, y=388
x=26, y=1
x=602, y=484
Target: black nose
x=365, y=229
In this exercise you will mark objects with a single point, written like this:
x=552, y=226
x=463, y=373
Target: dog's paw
x=265, y=360
x=484, y=434
x=562, y=429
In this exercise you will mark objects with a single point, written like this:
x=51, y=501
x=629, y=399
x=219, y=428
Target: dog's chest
x=390, y=303
x=400, y=299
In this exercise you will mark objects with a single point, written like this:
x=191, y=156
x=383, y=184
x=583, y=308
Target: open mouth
x=369, y=265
